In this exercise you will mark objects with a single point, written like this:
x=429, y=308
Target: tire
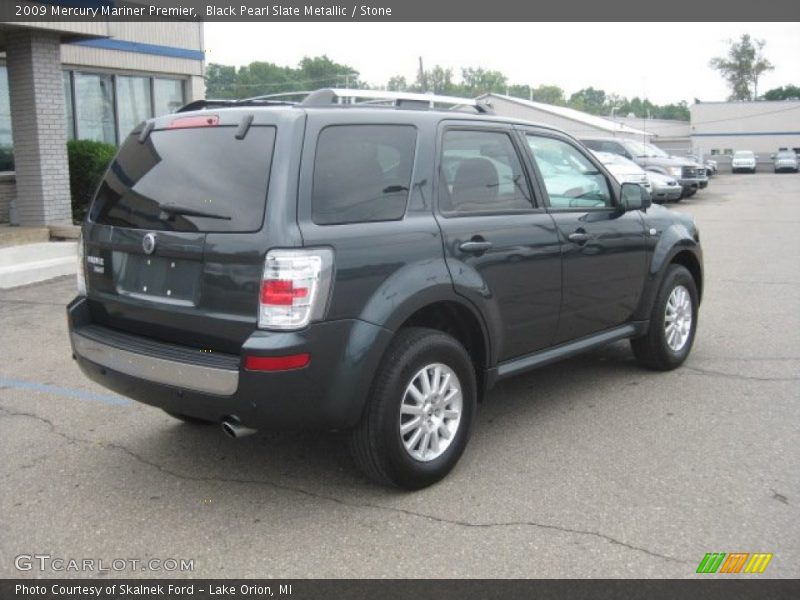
x=654, y=350
x=190, y=420
x=377, y=444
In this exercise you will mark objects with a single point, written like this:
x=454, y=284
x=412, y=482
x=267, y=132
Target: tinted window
x=167, y=95
x=134, y=103
x=95, y=107
x=480, y=171
x=362, y=173
x=158, y=184
x=572, y=181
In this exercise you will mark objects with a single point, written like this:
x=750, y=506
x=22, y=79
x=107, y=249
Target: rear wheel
x=417, y=421
x=673, y=323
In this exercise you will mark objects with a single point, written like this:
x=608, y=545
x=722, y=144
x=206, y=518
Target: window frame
x=613, y=185
x=486, y=127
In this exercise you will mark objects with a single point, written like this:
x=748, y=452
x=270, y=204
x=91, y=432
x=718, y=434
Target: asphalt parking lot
x=589, y=468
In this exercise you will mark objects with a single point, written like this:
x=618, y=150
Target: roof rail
x=336, y=96
x=255, y=101
x=326, y=97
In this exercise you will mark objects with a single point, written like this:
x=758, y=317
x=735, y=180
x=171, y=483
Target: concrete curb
x=31, y=263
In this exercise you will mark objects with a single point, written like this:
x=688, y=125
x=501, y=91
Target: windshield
x=786, y=155
x=655, y=151
x=743, y=154
x=635, y=148
x=195, y=179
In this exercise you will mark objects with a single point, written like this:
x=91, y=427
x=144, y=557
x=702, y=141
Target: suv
x=691, y=175
x=373, y=267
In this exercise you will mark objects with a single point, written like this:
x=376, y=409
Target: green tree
x=549, y=94
x=786, y=92
x=742, y=67
x=259, y=78
x=589, y=100
x=477, y=81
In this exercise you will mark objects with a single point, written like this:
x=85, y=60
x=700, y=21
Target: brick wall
x=36, y=90
x=8, y=190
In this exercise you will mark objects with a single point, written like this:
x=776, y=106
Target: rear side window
x=199, y=179
x=362, y=173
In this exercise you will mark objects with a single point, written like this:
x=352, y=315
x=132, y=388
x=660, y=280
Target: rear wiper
x=177, y=209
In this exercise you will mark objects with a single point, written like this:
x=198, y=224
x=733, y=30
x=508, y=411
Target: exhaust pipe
x=234, y=429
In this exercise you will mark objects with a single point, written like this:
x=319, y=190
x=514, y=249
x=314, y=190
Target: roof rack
x=326, y=97
x=221, y=103
x=346, y=97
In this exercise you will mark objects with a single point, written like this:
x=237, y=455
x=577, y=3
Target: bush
x=6, y=158
x=88, y=161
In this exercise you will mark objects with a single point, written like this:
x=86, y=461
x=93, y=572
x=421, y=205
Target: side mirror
x=634, y=197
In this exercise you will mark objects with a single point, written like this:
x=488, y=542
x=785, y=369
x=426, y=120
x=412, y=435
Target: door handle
x=579, y=237
x=475, y=246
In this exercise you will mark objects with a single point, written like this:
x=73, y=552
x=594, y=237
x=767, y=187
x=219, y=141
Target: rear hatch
x=174, y=240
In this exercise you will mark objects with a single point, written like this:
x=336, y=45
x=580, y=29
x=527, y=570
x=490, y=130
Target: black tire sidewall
x=677, y=275
x=434, y=347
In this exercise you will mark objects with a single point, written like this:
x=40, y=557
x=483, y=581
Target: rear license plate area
x=157, y=278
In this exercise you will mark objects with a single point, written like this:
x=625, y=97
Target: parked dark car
x=366, y=267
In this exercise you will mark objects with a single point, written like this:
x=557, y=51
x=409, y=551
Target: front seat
x=475, y=185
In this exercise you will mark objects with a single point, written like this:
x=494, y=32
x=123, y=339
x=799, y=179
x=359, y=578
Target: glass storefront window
x=134, y=103
x=6, y=141
x=168, y=95
x=94, y=107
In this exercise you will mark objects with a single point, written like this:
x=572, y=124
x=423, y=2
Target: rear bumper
x=329, y=393
x=667, y=193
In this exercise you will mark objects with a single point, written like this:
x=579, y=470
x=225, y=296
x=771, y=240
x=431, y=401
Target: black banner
x=391, y=589
x=392, y=10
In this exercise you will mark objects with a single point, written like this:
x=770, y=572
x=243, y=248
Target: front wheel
x=673, y=323
x=417, y=421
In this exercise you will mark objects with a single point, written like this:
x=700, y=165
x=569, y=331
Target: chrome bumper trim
x=209, y=380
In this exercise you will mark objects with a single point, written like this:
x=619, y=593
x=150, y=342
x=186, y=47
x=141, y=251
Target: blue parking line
x=63, y=391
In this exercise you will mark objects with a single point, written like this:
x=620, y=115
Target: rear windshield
x=199, y=179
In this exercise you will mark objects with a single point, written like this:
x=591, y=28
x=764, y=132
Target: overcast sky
x=666, y=62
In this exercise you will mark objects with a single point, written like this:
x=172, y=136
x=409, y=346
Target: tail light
x=81, y=267
x=191, y=122
x=295, y=288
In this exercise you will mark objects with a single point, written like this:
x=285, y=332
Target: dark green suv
x=372, y=263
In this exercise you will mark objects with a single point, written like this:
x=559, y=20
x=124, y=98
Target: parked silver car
x=743, y=160
x=785, y=160
x=664, y=188
x=624, y=170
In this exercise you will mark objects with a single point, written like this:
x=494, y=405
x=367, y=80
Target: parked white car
x=664, y=188
x=743, y=160
x=623, y=169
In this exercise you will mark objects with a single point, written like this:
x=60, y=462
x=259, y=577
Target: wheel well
x=689, y=260
x=462, y=324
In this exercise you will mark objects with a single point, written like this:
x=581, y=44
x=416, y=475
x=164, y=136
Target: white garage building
x=574, y=122
x=721, y=128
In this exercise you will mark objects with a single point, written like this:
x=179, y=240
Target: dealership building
x=76, y=80
x=721, y=128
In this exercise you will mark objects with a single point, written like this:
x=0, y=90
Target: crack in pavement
x=339, y=501
x=714, y=373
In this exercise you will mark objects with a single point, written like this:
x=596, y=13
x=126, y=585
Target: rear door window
x=480, y=171
x=197, y=179
x=362, y=173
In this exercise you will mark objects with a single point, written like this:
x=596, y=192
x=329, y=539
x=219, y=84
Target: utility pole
x=422, y=83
